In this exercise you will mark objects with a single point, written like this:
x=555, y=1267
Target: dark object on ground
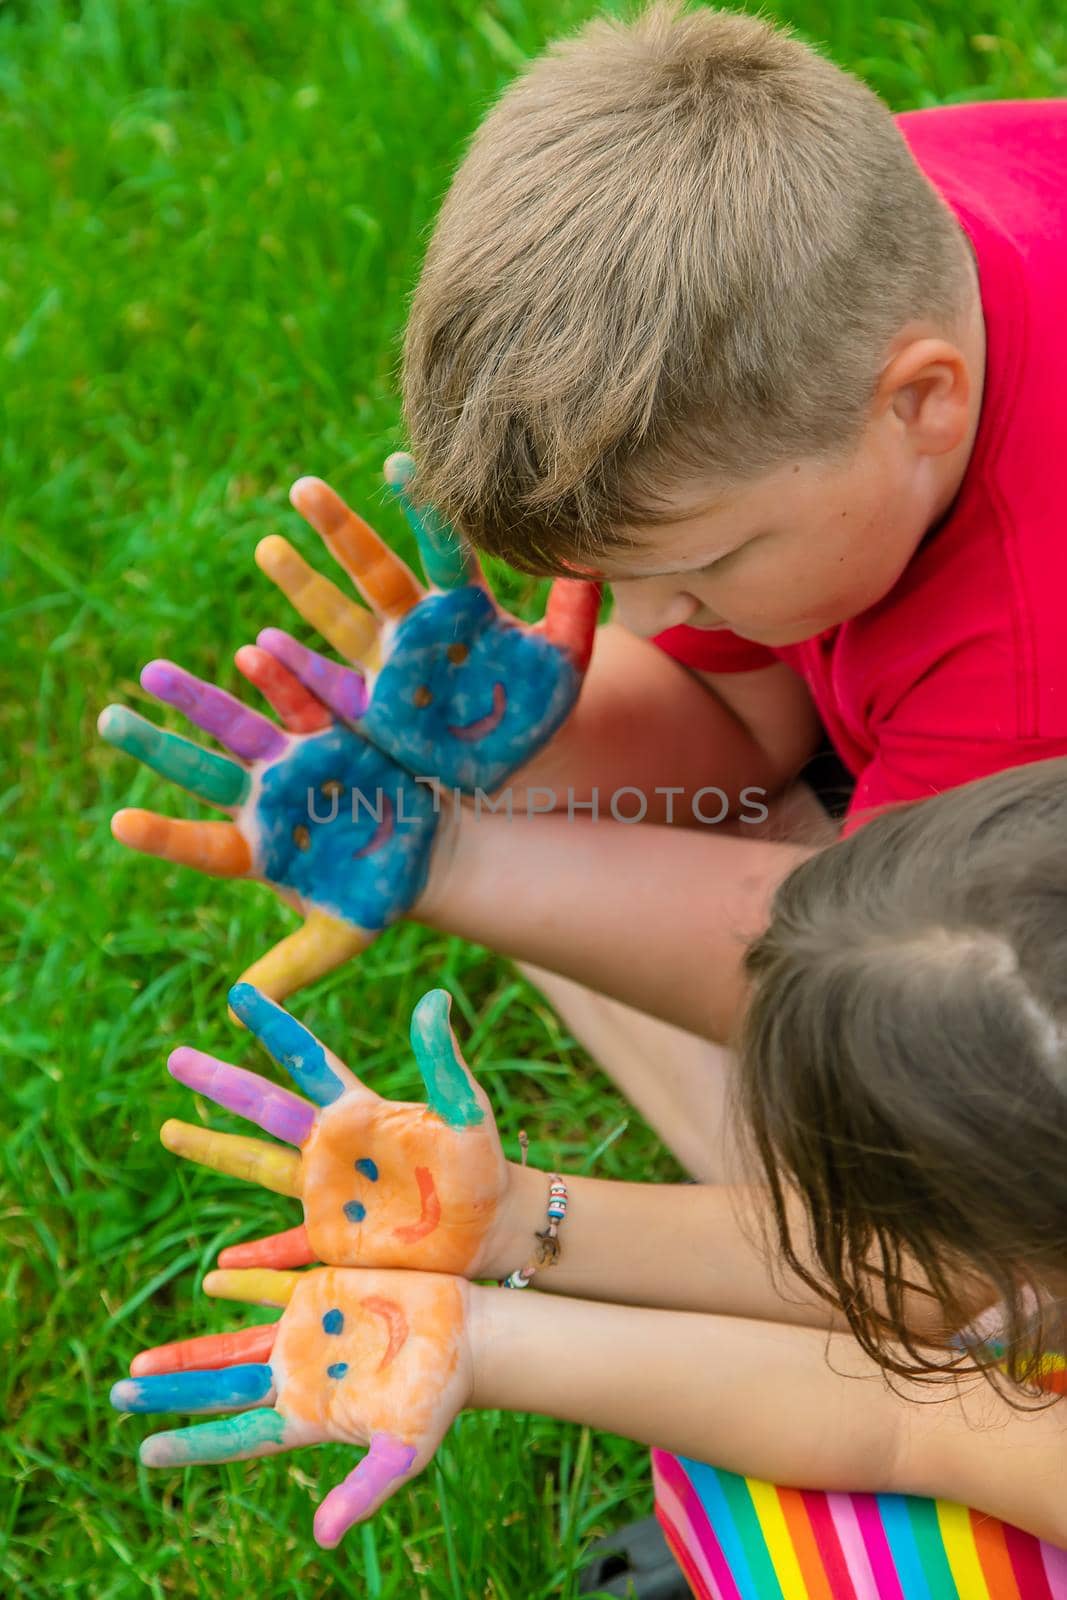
x=634, y=1561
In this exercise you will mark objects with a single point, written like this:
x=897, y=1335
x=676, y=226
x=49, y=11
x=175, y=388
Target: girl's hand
x=322, y=815
x=382, y=1183
x=451, y=687
x=380, y=1359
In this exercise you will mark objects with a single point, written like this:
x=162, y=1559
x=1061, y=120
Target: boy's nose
x=646, y=608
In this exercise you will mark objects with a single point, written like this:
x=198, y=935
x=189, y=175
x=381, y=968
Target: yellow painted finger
x=320, y=945
x=259, y=1286
x=384, y=581
x=351, y=630
x=237, y=1155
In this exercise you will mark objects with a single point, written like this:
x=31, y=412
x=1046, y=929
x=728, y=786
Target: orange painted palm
x=365, y=1358
x=382, y=1183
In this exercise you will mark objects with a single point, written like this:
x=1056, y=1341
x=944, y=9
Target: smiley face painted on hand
x=466, y=694
x=339, y=824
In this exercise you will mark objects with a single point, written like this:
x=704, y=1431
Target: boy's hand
x=371, y=1358
x=330, y=822
x=382, y=1183
x=451, y=686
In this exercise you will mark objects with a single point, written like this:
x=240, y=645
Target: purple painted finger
x=275, y=1110
x=340, y=688
x=387, y=1461
x=248, y=734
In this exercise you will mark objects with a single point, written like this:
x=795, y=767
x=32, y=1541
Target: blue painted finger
x=209, y=776
x=290, y=1044
x=446, y=560
x=450, y=1087
x=223, y=1389
x=254, y=1433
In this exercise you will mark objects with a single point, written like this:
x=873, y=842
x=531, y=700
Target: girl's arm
x=683, y=1247
x=787, y=1404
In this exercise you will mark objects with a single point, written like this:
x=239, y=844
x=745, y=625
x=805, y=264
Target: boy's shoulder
x=1005, y=157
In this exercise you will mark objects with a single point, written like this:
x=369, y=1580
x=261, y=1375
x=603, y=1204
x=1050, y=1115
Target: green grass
x=211, y=214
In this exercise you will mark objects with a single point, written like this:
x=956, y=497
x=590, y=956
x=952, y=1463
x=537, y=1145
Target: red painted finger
x=211, y=1351
x=295, y=705
x=289, y=1249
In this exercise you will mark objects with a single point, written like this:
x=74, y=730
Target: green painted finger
x=450, y=1088
x=209, y=776
x=446, y=560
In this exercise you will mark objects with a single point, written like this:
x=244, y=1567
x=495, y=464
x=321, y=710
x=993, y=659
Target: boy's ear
x=928, y=386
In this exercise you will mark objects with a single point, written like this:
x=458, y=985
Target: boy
x=701, y=317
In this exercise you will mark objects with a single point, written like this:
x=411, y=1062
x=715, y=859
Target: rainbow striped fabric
x=740, y=1539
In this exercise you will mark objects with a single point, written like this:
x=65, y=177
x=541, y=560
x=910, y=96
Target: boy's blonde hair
x=673, y=257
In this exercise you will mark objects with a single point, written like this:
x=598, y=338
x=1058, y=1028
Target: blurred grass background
x=211, y=215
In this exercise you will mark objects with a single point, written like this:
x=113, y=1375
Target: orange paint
x=214, y=847
x=430, y=1216
x=395, y=1321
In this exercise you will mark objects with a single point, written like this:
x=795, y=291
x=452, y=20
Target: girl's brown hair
x=673, y=257
x=904, y=1065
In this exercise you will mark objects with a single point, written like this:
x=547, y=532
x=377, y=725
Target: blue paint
x=540, y=685
x=337, y=1370
x=333, y=1321
x=194, y=1391
x=290, y=1044
x=368, y=1168
x=310, y=843
x=354, y=1211
x=448, y=1088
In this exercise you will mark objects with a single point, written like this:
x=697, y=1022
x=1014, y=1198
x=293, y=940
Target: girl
x=903, y=1072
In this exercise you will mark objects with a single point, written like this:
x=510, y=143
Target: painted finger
x=313, y=1068
x=289, y=1249
x=351, y=630
x=218, y=848
x=254, y=1433
x=276, y=1111
x=210, y=1350
x=213, y=1389
x=448, y=561
x=450, y=1086
x=318, y=946
x=570, y=618
x=209, y=776
x=340, y=688
x=258, y=1286
x=384, y=1468
x=384, y=581
x=238, y=1157
x=246, y=733
x=300, y=711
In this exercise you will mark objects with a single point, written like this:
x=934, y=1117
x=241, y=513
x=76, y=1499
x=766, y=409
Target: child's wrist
x=429, y=907
x=520, y=1216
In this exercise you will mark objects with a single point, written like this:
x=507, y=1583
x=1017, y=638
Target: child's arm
x=645, y=721
x=655, y=917
x=789, y=1405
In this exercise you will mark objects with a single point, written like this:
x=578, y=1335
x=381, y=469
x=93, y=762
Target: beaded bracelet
x=548, y=1246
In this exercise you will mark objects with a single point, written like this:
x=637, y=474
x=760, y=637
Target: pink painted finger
x=386, y=1465
x=299, y=710
x=248, y=734
x=278, y=1111
x=342, y=689
x=289, y=1249
x=570, y=618
x=210, y=1351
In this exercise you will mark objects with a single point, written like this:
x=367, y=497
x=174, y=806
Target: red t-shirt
x=961, y=669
